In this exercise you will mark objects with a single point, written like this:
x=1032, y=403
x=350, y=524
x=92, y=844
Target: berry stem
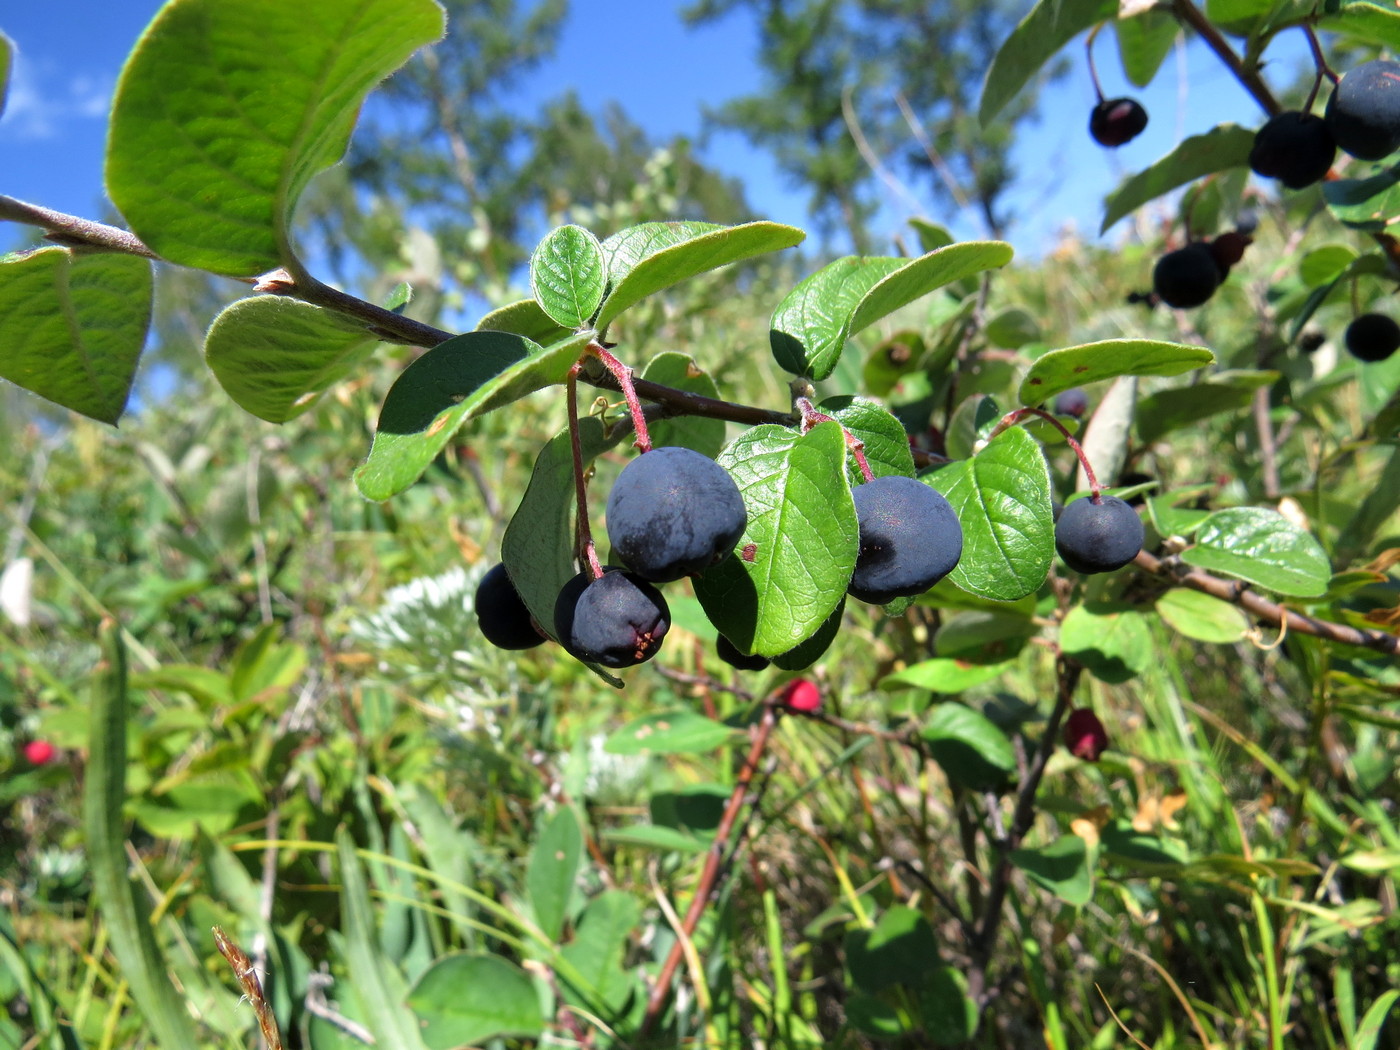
x=1089, y=54
x=1020, y=415
x=585, y=533
x=811, y=417
x=623, y=375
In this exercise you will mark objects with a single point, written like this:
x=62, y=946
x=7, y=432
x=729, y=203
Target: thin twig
x=252, y=988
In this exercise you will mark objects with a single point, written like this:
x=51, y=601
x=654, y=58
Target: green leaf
x=886, y=443
x=984, y=636
x=1370, y=23
x=1224, y=146
x=644, y=259
x=553, y=866
x=669, y=733
x=1263, y=547
x=524, y=317
x=653, y=836
x=898, y=949
x=1049, y=26
x=598, y=951
x=1167, y=410
x=1002, y=498
x=1013, y=328
x=811, y=325
x=804, y=655
x=1113, y=641
x=124, y=909
x=274, y=355
x=1074, y=366
x=1371, y=203
x=1325, y=264
x=1369, y=1033
x=801, y=539
x=680, y=372
x=537, y=548
x=464, y=377
x=1144, y=40
x=973, y=752
x=568, y=275
x=224, y=112
x=948, y=1010
x=468, y=999
x=72, y=326
x=1202, y=617
x=942, y=674
x=7, y=55
x=1061, y=867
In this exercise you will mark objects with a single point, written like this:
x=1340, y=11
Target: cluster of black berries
x=1189, y=276
x=1362, y=119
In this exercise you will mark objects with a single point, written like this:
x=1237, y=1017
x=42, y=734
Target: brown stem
x=661, y=990
x=1020, y=415
x=1189, y=13
x=1238, y=593
x=584, y=531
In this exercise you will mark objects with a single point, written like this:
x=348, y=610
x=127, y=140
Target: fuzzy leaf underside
x=224, y=112
x=72, y=327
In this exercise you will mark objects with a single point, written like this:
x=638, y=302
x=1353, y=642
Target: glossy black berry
x=1072, y=402
x=1115, y=121
x=1187, y=276
x=673, y=512
x=910, y=539
x=1364, y=110
x=501, y=614
x=1372, y=337
x=616, y=620
x=729, y=653
x=1295, y=148
x=1098, y=537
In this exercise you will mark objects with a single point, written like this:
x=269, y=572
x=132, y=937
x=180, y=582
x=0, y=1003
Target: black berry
x=729, y=653
x=1115, y=121
x=616, y=620
x=1072, y=402
x=1187, y=276
x=910, y=539
x=1098, y=537
x=1295, y=148
x=1364, y=110
x=1372, y=337
x=673, y=512
x=501, y=614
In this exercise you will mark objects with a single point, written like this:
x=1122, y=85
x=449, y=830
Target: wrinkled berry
x=616, y=620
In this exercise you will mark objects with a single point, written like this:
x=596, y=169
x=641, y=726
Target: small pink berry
x=801, y=694
x=1085, y=735
x=39, y=752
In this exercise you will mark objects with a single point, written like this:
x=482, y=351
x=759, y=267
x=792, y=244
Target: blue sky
x=71, y=52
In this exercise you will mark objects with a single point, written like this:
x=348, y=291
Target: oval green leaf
x=1167, y=410
x=942, y=674
x=680, y=372
x=568, y=275
x=1371, y=203
x=466, y=376
x=224, y=112
x=275, y=355
x=524, y=317
x=72, y=327
x=553, y=866
x=1050, y=25
x=886, y=443
x=1002, y=499
x=1113, y=641
x=669, y=733
x=1060, y=370
x=973, y=752
x=645, y=259
x=1224, y=146
x=1061, y=867
x=811, y=325
x=1202, y=617
x=1144, y=41
x=1263, y=547
x=468, y=998
x=803, y=534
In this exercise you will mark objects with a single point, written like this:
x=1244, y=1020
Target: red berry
x=1085, y=735
x=801, y=694
x=39, y=752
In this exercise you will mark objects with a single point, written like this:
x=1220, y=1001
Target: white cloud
x=40, y=101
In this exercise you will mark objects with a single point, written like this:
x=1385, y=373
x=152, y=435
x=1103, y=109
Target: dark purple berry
x=616, y=620
x=673, y=512
x=910, y=539
x=1372, y=337
x=1364, y=110
x=1295, y=148
x=1072, y=402
x=730, y=654
x=1187, y=276
x=1098, y=536
x=504, y=620
x=1115, y=121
